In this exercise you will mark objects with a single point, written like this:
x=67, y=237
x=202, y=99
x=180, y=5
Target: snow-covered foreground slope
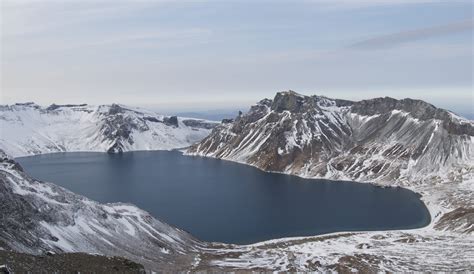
x=28, y=129
x=37, y=217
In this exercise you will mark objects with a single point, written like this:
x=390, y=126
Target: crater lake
x=223, y=201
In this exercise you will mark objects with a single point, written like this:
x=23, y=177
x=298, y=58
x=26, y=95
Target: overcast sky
x=218, y=54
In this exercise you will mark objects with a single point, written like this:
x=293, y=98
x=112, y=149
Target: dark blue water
x=227, y=202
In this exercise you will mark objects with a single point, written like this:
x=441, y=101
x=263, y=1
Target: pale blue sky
x=217, y=54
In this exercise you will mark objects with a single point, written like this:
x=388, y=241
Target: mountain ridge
x=29, y=129
x=380, y=140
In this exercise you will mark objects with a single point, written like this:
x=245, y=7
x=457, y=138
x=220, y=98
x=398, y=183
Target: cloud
x=53, y=26
x=28, y=17
x=393, y=39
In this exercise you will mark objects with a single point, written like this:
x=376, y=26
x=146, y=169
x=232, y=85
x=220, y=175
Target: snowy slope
x=382, y=140
x=38, y=217
x=28, y=129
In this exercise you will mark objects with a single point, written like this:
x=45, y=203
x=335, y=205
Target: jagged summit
x=115, y=108
x=418, y=108
x=54, y=106
x=288, y=100
x=296, y=103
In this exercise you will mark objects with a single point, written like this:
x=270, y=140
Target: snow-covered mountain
x=28, y=129
x=381, y=140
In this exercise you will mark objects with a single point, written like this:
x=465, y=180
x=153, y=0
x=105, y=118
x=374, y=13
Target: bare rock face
x=383, y=139
x=461, y=219
x=290, y=101
x=171, y=121
x=54, y=106
x=417, y=109
x=118, y=129
x=114, y=109
x=199, y=123
x=15, y=262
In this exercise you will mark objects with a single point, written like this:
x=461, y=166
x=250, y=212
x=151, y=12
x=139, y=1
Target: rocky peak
x=227, y=121
x=374, y=106
x=265, y=102
x=419, y=109
x=17, y=106
x=27, y=104
x=54, y=106
x=298, y=103
x=416, y=108
x=114, y=109
x=287, y=100
x=171, y=121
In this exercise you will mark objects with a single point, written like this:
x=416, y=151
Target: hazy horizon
x=222, y=109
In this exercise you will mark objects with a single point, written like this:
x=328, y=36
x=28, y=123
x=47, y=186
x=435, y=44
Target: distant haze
x=221, y=56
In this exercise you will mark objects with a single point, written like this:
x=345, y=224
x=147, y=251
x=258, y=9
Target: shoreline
x=431, y=210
